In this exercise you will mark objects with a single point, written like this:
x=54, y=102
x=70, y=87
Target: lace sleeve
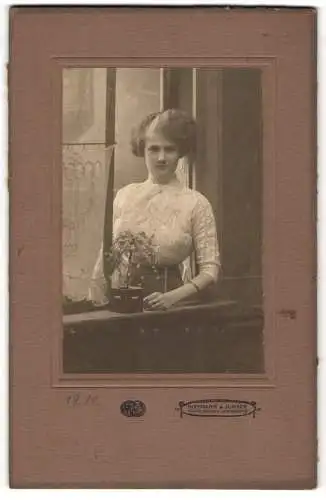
x=205, y=238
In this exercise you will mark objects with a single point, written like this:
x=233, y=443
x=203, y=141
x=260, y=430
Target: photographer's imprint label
x=218, y=408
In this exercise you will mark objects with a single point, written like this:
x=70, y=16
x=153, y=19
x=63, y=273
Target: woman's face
x=161, y=158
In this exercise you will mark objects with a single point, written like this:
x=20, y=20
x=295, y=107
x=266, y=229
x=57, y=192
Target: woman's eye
x=157, y=149
x=170, y=149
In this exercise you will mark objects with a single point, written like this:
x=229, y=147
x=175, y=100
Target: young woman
x=180, y=220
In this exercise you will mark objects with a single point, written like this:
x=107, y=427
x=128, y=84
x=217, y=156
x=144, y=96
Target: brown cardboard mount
x=75, y=431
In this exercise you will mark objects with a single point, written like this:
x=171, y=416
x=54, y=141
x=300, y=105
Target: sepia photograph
x=162, y=220
x=162, y=181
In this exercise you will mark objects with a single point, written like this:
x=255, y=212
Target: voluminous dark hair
x=175, y=125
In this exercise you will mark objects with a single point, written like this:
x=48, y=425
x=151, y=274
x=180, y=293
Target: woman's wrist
x=183, y=292
x=191, y=288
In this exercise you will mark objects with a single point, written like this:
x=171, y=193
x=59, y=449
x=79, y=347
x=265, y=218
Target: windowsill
x=200, y=338
x=224, y=307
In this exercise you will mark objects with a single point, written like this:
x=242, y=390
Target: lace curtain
x=85, y=175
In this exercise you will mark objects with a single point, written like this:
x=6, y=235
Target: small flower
x=130, y=250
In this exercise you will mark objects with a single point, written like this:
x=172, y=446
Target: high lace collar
x=174, y=182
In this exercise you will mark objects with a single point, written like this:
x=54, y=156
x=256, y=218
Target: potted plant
x=128, y=252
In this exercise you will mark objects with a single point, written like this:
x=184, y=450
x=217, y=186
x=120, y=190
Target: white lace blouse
x=179, y=219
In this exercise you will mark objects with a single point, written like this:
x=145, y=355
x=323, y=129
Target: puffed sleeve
x=205, y=238
x=98, y=285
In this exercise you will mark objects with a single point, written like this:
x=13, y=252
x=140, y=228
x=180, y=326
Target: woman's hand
x=158, y=301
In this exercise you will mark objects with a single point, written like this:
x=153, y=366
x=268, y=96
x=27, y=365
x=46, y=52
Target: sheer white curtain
x=85, y=176
x=85, y=161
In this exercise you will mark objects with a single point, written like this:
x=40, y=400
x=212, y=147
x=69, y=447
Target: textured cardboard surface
x=57, y=443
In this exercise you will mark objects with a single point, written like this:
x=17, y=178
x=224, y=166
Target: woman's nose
x=161, y=155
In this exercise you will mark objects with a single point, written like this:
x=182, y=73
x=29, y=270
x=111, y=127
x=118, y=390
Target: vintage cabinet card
x=162, y=252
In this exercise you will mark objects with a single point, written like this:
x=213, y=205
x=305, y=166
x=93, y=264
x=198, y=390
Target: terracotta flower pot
x=126, y=300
